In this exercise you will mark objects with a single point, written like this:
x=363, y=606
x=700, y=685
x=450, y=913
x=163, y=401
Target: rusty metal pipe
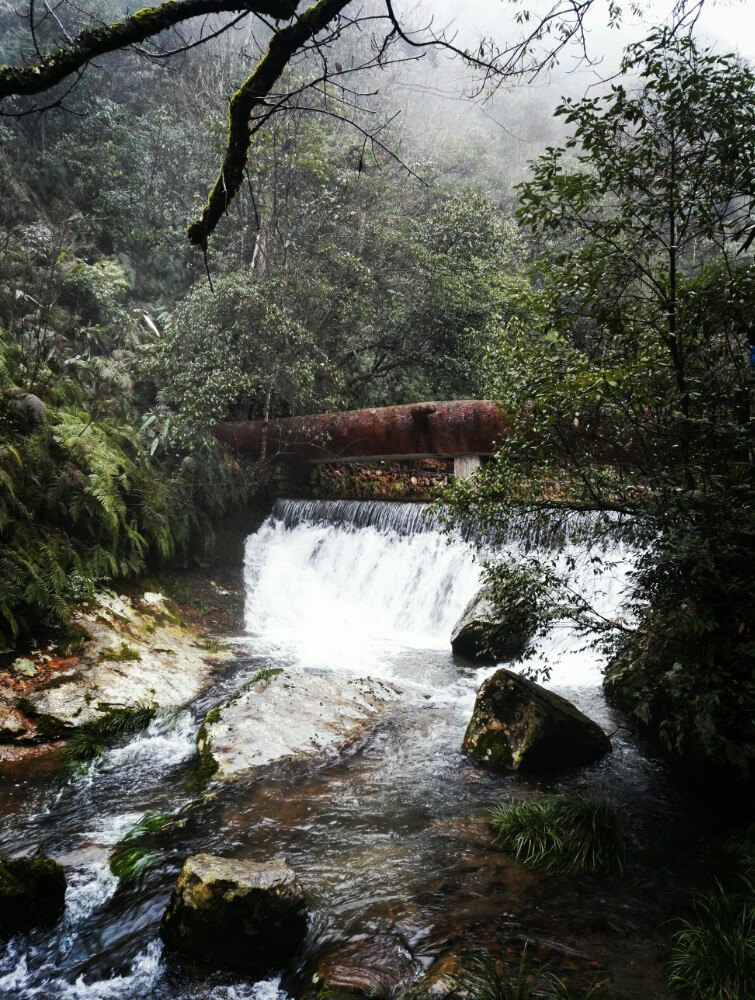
x=415, y=430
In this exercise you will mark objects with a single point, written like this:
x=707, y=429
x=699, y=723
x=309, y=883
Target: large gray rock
x=482, y=633
x=236, y=914
x=518, y=725
x=32, y=893
x=289, y=715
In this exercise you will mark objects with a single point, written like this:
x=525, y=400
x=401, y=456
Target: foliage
x=563, y=834
x=622, y=369
x=132, y=856
x=713, y=955
x=482, y=978
x=266, y=674
x=90, y=740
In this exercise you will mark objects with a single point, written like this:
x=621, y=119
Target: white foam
x=352, y=593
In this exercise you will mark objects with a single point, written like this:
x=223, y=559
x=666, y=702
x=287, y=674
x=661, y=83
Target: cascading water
x=380, y=838
x=345, y=584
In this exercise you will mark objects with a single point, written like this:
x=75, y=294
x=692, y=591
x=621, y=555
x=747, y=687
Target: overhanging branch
x=252, y=93
x=22, y=81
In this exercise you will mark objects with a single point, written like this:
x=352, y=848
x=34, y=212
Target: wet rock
x=289, y=715
x=32, y=893
x=482, y=632
x=139, y=654
x=15, y=727
x=236, y=914
x=372, y=968
x=518, y=725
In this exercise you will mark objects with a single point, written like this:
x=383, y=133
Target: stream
x=389, y=838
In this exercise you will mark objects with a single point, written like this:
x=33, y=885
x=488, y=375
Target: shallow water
x=390, y=838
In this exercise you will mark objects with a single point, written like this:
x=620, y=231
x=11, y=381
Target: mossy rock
x=236, y=914
x=518, y=725
x=32, y=893
x=483, y=634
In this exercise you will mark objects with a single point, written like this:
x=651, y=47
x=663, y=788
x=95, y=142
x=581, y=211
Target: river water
x=389, y=838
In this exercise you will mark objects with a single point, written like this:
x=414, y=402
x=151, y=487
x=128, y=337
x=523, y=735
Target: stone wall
x=413, y=479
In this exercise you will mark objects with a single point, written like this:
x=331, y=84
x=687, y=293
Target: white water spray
x=346, y=584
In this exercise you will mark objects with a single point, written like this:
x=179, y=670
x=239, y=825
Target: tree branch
x=93, y=42
x=252, y=93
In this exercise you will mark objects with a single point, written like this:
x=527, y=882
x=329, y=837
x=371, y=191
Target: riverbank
x=388, y=833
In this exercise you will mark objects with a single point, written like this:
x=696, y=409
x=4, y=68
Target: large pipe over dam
x=415, y=430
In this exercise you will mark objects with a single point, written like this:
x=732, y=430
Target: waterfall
x=340, y=581
x=350, y=584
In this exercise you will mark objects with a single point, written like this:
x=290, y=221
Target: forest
x=217, y=212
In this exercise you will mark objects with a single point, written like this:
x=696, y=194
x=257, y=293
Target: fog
x=493, y=135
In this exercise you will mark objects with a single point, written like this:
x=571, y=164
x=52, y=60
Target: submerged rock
x=482, y=632
x=236, y=914
x=368, y=969
x=138, y=653
x=32, y=893
x=288, y=714
x=518, y=725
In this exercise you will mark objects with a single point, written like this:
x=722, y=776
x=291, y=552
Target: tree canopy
x=57, y=47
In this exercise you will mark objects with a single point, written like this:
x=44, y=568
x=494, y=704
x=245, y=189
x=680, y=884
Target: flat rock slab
x=290, y=715
x=138, y=654
x=236, y=914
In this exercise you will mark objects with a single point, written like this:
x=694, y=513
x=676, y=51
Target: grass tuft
x=567, y=835
x=713, y=956
x=212, y=645
x=265, y=674
x=484, y=979
x=132, y=856
x=89, y=741
x=127, y=863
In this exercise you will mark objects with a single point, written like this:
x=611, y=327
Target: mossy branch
x=252, y=93
x=146, y=23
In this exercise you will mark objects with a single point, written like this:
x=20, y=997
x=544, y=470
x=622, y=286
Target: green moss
x=125, y=654
x=492, y=748
x=206, y=765
x=32, y=892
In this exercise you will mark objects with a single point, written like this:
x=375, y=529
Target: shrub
x=713, y=955
x=562, y=834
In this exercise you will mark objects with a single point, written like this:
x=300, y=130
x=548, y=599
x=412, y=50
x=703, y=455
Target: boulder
x=236, y=914
x=32, y=893
x=289, y=715
x=482, y=633
x=518, y=725
x=14, y=725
